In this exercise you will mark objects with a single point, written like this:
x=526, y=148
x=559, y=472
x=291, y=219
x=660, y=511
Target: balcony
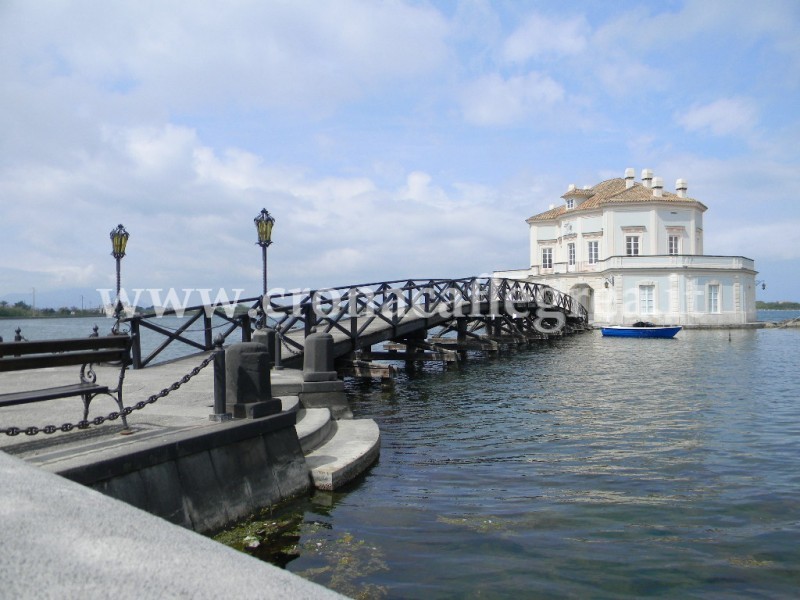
x=666, y=262
x=680, y=261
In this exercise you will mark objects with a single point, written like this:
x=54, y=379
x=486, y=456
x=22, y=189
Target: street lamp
x=119, y=239
x=264, y=223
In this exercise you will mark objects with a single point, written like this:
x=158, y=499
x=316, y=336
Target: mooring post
x=220, y=399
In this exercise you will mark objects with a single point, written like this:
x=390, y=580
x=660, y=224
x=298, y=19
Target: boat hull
x=641, y=332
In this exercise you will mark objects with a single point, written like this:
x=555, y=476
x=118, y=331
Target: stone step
x=314, y=427
x=289, y=403
x=354, y=446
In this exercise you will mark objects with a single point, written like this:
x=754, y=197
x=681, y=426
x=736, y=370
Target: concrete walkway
x=184, y=409
x=64, y=540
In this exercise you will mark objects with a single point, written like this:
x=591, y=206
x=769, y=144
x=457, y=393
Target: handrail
x=352, y=309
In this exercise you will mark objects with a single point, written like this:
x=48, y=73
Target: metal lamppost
x=119, y=239
x=264, y=223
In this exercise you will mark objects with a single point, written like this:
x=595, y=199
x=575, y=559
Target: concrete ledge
x=353, y=448
x=65, y=540
x=201, y=479
x=89, y=469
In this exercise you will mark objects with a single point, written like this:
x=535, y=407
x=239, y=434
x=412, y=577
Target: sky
x=390, y=140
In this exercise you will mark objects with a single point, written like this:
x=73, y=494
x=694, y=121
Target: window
x=647, y=295
x=570, y=203
x=547, y=258
x=673, y=245
x=632, y=245
x=594, y=252
x=713, y=298
x=571, y=254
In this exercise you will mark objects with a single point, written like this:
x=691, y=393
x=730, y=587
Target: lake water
x=582, y=467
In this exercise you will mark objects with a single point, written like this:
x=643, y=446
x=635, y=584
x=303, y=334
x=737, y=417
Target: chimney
x=647, y=177
x=630, y=174
x=658, y=186
x=571, y=187
x=680, y=187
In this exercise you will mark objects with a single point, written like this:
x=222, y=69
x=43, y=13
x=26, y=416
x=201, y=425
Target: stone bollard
x=247, y=381
x=321, y=388
x=266, y=336
x=318, y=358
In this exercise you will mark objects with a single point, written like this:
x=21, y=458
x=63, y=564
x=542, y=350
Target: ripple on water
x=586, y=467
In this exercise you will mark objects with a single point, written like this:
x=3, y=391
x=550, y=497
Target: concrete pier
x=175, y=463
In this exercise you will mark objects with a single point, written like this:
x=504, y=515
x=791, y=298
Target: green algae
x=338, y=561
x=346, y=560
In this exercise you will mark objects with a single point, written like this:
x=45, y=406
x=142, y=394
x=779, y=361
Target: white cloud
x=201, y=54
x=539, y=35
x=388, y=138
x=726, y=116
x=494, y=100
x=748, y=240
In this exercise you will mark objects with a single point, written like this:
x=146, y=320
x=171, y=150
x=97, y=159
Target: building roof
x=614, y=191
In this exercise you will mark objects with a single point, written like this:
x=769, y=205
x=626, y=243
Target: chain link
x=48, y=429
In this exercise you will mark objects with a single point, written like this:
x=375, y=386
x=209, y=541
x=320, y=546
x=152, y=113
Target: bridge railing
x=351, y=310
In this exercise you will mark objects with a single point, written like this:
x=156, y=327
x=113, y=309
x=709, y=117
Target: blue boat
x=642, y=330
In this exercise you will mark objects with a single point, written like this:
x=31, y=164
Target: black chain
x=33, y=430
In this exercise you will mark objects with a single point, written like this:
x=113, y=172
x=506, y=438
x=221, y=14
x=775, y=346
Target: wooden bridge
x=418, y=319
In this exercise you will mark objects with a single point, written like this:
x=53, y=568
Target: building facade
x=630, y=251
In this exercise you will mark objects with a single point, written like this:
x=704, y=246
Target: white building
x=630, y=251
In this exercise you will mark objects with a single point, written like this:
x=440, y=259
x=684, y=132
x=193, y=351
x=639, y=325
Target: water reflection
x=584, y=468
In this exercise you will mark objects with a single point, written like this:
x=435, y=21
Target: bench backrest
x=20, y=356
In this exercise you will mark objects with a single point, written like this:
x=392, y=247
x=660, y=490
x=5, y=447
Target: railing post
x=309, y=319
x=246, y=333
x=207, y=329
x=136, y=346
x=277, y=355
x=220, y=399
x=352, y=310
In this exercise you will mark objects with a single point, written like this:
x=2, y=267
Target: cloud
x=539, y=36
x=726, y=116
x=195, y=56
x=495, y=100
x=748, y=240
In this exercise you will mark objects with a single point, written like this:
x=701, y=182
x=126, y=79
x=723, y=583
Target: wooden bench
x=24, y=356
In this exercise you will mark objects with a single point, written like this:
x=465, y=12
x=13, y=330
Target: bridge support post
x=321, y=388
